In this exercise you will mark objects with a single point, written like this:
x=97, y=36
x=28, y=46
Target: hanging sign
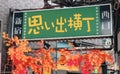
x=75, y=22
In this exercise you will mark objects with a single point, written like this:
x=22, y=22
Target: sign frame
x=71, y=36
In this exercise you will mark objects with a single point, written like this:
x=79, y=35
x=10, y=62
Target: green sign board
x=76, y=22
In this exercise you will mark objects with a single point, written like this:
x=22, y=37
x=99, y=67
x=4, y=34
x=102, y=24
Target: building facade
x=5, y=6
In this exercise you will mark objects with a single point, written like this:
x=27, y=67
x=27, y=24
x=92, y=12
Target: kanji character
x=88, y=22
x=61, y=23
x=35, y=23
x=76, y=23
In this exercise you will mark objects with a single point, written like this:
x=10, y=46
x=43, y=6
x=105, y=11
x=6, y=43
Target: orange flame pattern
x=42, y=59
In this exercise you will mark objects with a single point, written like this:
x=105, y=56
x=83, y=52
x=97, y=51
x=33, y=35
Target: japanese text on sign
x=36, y=24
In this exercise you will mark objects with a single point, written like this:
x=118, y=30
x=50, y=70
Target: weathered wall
x=5, y=5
